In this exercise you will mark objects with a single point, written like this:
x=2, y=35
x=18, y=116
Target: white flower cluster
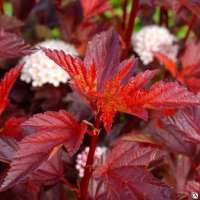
x=154, y=39
x=82, y=158
x=39, y=69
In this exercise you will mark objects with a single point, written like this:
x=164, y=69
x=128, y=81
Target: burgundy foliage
x=12, y=45
x=125, y=172
x=144, y=117
x=6, y=85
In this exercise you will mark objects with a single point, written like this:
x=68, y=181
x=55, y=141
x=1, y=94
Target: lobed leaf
x=130, y=182
x=51, y=131
x=109, y=86
x=124, y=175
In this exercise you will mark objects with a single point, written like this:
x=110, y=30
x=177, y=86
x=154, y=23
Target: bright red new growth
x=6, y=85
x=94, y=7
x=189, y=74
x=118, y=129
x=110, y=87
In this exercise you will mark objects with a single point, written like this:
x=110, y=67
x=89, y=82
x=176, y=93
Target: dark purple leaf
x=11, y=45
x=124, y=176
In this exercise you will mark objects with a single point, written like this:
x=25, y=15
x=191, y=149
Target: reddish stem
x=1, y=6
x=125, y=3
x=131, y=22
x=191, y=24
x=163, y=16
x=90, y=159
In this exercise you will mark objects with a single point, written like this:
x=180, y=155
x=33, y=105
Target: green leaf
x=182, y=32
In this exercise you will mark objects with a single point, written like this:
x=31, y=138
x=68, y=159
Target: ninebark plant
x=108, y=84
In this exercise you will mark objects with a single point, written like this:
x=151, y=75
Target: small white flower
x=39, y=69
x=82, y=158
x=154, y=38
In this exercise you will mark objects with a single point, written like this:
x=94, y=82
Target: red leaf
x=10, y=23
x=189, y=75
x=169, y=64
x=6, y=85
x=109, y=87
x=192, y=5
x=52, y=130
x=12, y=128
x=18, y=8
x=192, y=186
x=160, y=96
x=7, y=150
x=94, y=7
x=127, y=152
x=190, y=57
x=181, y=170
x=168, y=95
x=130, y=182
x=124, y=175
x=49, y=172
x=12, y=46
x=83, y=80
x=171, y=139
x=105, y=55
x=186, y=123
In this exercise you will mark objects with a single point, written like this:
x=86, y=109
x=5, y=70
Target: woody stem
x=90, y=159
